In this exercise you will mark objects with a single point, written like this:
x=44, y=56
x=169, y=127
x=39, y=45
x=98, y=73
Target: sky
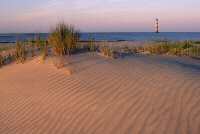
x=29, y=16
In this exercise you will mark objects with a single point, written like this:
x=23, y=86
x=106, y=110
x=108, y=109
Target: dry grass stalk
x=74, y=67
x=23, y=55
x=55, y=63
x=68, y=69
x=61, y=61
x=17, y=52
x=38, y=42
x=31, y=46
x=44, y=51
x=42, y=58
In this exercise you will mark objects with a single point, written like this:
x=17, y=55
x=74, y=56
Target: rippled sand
x=137, y=94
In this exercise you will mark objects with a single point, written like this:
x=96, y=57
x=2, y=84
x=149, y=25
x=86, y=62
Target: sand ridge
x=137, y=94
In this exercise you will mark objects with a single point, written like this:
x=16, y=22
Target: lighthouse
x=156, y=26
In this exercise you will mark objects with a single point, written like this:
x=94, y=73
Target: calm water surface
x=115, y=36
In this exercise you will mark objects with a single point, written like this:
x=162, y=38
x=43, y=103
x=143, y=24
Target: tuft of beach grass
x=64, y=38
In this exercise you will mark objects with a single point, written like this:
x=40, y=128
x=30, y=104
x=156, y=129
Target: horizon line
x=91, y=32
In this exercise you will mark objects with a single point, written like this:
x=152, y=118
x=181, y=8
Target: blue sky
x=100, y=15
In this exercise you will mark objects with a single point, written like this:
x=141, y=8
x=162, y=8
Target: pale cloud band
x=101, y=15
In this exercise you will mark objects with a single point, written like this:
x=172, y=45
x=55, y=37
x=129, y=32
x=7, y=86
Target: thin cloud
x=191, y=1
x=124, y=0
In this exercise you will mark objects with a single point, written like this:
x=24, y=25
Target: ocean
x=113, y=36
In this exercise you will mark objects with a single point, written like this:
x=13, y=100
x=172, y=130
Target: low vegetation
x=105, y=49
x=186, y=48
x=4, y=48
x=133, y=50
x=22, y=51
x=109, y=52
x=5, y=55
x=90, y=46
x=31, y=48
x=20, y=55
x=44, y=49
x=64, y=38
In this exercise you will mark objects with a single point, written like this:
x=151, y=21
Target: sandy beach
x=138, y=94
x=99, y=67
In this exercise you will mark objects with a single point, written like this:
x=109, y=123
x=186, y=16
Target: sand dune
x=137, y=94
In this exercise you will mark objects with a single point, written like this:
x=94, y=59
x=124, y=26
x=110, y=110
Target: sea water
x=112, y=36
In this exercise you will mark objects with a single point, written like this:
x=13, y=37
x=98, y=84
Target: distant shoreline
x=16, y=34
x=117, y=41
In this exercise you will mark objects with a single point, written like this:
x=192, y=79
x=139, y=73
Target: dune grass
x=44, y=49
x=5, y=55
x=31, y=47
x=134, y=50
x=64, y=38
x=4, y=48
x=110, y=52
x=20, y=55
x=185, y=48
x=22, y=50
x=17, y=51
x=90, y=46
x=38, y=41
